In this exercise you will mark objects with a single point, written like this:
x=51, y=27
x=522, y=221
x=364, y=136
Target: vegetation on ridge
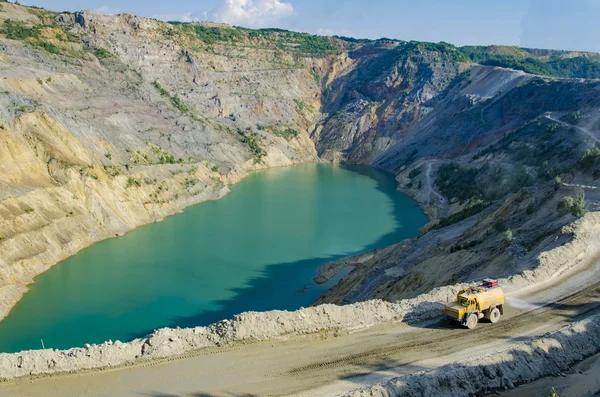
x=521, y=59
x=279, y=38
x=541, y=62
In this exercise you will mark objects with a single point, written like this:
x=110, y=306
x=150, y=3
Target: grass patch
x=131, y=182
x=288, y=133
x=175, y=99
x=16, y=30
x=252, y=140
x=102, y=53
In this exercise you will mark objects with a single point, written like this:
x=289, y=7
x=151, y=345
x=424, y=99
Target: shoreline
x=234, y=176
x=251, y=327
x=219, y=191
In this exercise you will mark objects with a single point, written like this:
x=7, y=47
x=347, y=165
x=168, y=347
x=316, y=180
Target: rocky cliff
x=495, y=156
x=111, y=122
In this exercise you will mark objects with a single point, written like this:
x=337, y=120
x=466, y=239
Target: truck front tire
x=471, y=321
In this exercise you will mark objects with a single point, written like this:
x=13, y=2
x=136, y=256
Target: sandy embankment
x=549, y=355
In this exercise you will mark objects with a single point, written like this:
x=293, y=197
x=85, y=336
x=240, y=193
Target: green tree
x=590, y=156
x=579, y=207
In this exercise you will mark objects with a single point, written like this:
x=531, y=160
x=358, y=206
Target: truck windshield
x=463, y=301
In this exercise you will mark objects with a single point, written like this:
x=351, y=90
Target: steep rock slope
x=485, y=151
x=111, y=122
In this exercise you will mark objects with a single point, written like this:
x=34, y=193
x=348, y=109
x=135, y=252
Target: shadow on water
x=257, y=293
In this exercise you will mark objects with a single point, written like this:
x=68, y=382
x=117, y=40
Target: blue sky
x=558, y=24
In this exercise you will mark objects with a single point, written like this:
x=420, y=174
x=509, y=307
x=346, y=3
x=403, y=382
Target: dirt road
x=321, y=364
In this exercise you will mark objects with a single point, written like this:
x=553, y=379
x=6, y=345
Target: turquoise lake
x=255, y=249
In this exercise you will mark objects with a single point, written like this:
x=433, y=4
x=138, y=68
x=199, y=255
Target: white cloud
x=325, y=31
x=333, y=32
x=186, y=17
x=251, y=13
x=105, y=10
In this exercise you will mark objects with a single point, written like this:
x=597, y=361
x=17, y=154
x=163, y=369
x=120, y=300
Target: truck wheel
x=471, y=321
x=494, y=315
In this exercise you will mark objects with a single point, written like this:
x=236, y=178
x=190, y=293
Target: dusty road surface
x=325, y=364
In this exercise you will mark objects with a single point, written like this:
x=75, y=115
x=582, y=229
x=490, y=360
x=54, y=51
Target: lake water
x=254, y=249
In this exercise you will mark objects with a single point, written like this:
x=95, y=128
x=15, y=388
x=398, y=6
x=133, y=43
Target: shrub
x=102, y=53
x=189, y=182
x=131, y=181
x=18, y=31
x=212, y=34
x=49, y=47
x=508, y=235
x=215, y=168
x=577, y=205
x=455, y=181
x=252, y=140
x=178, y=103
x=590, y=156
x=474, y=207
x=566, y=202
x=488, y=182
x=175, y=100
x=288, y=133
x=167, y=159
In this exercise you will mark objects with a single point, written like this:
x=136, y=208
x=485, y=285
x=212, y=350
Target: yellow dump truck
x=483, y=301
